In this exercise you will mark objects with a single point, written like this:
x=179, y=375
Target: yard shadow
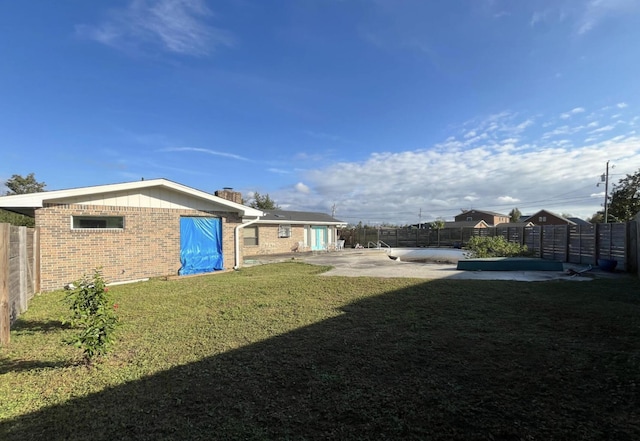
x=14, y=366
x=25, y=327
x=397, y=366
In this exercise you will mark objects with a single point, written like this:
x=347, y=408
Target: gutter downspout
x=237, y=241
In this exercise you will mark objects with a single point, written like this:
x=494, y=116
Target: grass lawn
x=278, y=352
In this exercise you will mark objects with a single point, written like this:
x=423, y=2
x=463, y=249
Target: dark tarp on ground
x=200, y=245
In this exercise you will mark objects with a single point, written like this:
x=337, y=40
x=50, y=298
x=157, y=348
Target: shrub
x=93, y=314
x=497, y=246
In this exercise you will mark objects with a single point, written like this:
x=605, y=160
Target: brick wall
x=148, y=246
x=270, y=243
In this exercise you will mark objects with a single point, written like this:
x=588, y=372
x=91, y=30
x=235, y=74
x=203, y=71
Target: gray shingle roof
x=284, y=216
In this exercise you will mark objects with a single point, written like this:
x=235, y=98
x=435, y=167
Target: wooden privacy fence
x=583, y=244
x=19, y=273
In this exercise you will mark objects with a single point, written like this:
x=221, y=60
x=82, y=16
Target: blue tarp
x=200, y=245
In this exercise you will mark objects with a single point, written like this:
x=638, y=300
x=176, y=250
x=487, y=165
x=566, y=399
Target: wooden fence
x=582, y=244
x=19, y=273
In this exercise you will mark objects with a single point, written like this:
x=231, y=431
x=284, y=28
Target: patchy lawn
x=276, y=352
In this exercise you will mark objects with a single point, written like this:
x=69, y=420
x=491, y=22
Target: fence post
x=596, y=242
x=566, y=244
x=23, y=263
x=5, y=313
x=36, y=260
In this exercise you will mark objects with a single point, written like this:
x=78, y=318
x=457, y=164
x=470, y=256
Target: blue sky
x=387, y=111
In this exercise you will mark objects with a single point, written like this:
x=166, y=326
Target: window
x=98, y=222
x=284, y=231
x=250, y=235
x=469, y=218
x=542, y=219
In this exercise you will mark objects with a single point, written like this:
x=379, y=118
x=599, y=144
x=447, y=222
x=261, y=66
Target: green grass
x=279, y=352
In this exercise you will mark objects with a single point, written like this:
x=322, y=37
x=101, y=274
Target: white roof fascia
x=36, y=200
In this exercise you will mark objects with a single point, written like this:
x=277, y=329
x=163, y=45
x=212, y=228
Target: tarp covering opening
x=200, y=245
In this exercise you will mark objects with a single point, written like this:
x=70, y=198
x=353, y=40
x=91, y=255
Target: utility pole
x=606, y=195
x=333, y=210
x=420, y=219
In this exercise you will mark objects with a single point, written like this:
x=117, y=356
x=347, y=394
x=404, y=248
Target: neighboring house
x=515, y=224
x=282, y=231
x=133, y=230
x=466, y=224
x=545, y=217
x=578, y=221
x=490, y=217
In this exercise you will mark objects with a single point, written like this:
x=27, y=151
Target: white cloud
x=622, y=105
x=597, y=11
x=559, y=175
x=507, y=199
x=207, y=151
x=603, y=129
x=578, y=110
x=177, y=26
x=302, y=188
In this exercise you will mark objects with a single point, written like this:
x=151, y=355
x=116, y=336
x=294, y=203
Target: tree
x=20, y=185
x=624, y=202
x=597, y=218
x=438, y=225
x=514, y=215
x=263, y=202
x=23, y=185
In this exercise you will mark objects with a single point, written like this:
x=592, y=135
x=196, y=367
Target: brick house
x=545, y=217
x=132, y=230
x=490, y=217
x=282, y=231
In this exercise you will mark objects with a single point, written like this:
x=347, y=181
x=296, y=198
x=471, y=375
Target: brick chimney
x=230, y=195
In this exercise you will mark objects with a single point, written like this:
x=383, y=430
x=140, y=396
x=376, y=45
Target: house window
x=469, y=218
x=250, y=235
x=542, y=219
x=98, y=222
x=284, y=231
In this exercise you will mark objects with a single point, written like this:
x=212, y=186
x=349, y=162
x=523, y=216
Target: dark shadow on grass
x=25, y=327
x=426, y=362
x=15, y=366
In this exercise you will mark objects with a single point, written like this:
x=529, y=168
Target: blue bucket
x=608, y=265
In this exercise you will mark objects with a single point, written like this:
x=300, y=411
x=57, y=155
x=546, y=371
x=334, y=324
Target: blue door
x=319, y=238
x=200, y=245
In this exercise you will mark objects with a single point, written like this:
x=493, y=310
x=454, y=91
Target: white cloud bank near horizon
x=496, y=164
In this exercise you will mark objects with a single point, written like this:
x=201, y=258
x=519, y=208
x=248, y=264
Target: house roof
x=550, y=213
x=515, y=224
x=298, y=217
x=27, y=203
x=492, y=213
x=578, y=221
x=465, y=224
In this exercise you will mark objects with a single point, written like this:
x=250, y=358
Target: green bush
x=93, y=314
x=498, y=246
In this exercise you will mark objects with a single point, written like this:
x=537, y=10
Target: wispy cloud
x=573, y=111
x=596, y=11
x=207, y=151
x=177, y=26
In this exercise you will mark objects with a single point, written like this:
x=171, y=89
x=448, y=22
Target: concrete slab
x=376, y=263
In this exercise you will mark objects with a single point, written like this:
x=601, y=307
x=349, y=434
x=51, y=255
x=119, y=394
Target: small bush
x=498, y=246
x=93, y=314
